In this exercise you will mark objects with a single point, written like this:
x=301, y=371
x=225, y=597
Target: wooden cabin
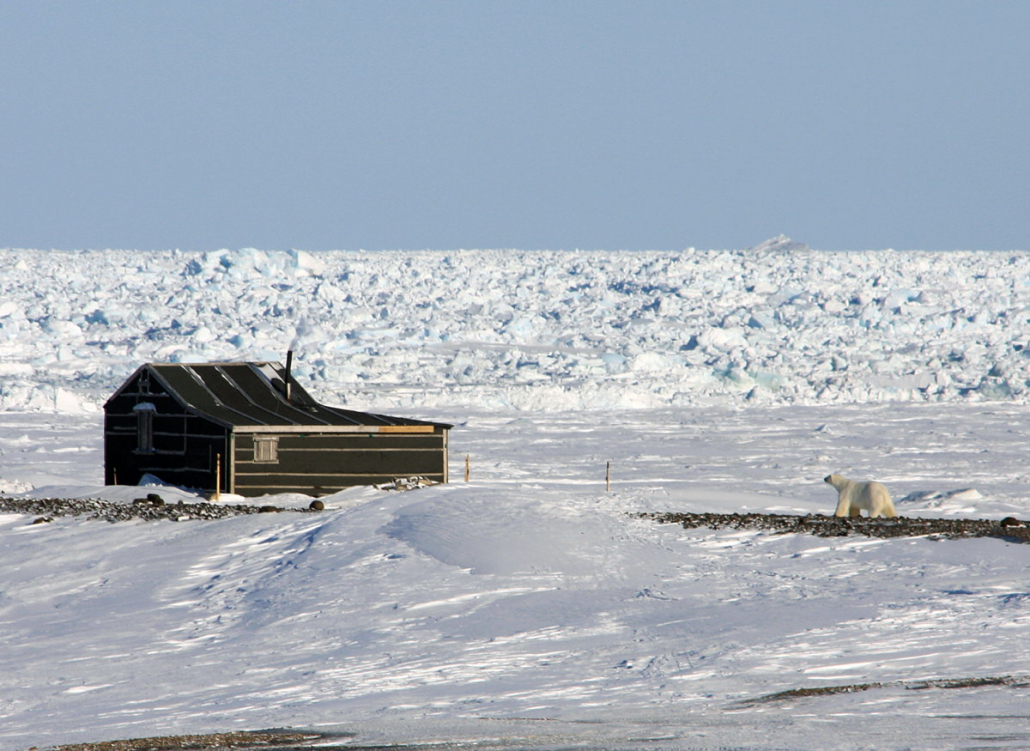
x=248, y=428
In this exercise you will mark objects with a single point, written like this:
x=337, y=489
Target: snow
x=530, y=607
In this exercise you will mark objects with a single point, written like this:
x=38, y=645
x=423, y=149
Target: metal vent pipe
x=289, y=367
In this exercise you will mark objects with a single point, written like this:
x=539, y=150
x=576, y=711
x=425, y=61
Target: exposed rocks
x=1006, y=681
x=832, y=526
x=152, y=499
x=45, y=509
x=210, y=742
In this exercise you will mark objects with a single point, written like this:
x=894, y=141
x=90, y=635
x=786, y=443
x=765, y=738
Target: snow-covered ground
x=529, y=606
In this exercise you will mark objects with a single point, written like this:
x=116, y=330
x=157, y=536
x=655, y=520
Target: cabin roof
x=253, y=394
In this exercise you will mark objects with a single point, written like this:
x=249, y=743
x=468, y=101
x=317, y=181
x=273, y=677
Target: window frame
x=266, y=449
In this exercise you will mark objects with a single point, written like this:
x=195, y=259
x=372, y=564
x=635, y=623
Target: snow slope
x=529, y=607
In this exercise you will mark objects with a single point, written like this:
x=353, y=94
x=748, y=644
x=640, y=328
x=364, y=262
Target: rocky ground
x=150, y=508
x=1007, y=681
x=269, y=740
x=1012, y=529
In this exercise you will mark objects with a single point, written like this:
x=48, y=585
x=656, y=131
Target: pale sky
x=479, y=124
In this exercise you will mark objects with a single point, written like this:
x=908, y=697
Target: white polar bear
x=854, y=496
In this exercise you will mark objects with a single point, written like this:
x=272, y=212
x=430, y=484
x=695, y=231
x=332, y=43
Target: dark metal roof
x=252, y=394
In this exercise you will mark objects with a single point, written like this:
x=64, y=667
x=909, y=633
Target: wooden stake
x=467, y=467
x=608, y=478
x=218, y=477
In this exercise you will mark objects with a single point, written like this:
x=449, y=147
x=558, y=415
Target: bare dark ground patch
x=1012, y=530
x=149, y=509
x=1007, y=681
x=272, y=740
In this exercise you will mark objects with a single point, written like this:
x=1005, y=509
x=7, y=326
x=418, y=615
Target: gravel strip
x=150, y=508
x=211, y=742
x=1004, y=681
x=1013, y=530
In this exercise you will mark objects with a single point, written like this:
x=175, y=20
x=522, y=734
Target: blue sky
x=612, y=125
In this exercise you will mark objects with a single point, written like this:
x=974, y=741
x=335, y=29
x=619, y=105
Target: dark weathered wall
x=184, y=446
x=319, y=464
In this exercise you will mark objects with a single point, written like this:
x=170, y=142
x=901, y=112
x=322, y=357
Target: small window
x=145, y=427
x=266, y=449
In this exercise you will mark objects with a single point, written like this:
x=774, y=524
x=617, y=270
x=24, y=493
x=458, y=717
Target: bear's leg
x=885, y=509
x=855, y=511
x=880, y=503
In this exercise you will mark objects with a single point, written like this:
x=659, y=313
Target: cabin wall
x=322, y=463
x=184, y=446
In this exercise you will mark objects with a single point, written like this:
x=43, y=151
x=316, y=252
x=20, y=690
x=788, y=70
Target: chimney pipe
x=289, y=367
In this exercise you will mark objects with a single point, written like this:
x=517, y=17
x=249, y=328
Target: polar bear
x=854, y=496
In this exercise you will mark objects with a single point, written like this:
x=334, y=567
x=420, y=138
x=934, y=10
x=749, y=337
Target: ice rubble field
x=528, y=607
x=532, y=331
